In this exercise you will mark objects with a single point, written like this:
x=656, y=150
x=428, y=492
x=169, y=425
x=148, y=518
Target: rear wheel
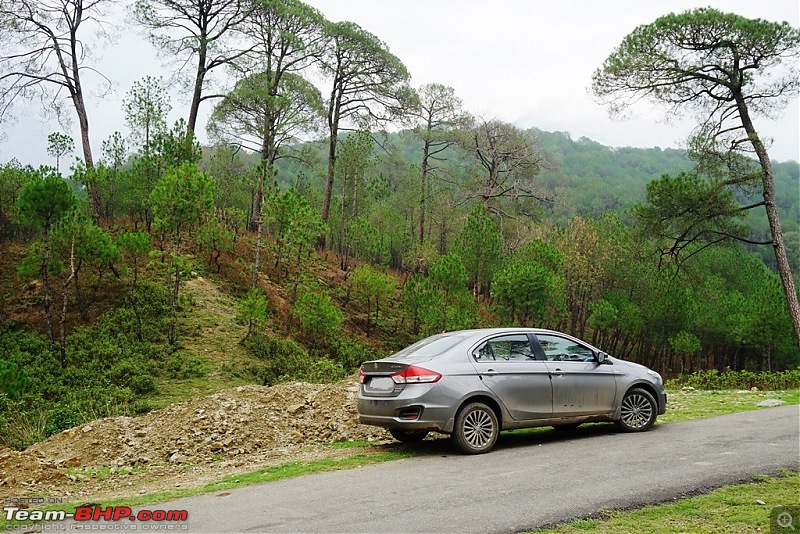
x=408, y=436
x=638, y=411
x=476, y=429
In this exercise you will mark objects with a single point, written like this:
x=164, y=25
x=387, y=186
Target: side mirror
x=602, y=358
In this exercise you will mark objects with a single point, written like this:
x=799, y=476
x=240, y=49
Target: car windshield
x=430, y=346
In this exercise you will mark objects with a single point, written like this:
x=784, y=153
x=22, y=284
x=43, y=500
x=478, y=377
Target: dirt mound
x=20, y=469
x=190, y=443
x=244, y=420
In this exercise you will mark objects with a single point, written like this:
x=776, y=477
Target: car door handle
x=557, y=372
x=490, y=372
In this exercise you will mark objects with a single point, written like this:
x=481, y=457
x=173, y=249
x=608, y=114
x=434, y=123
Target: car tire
x=476, y=429
x=638, y=411
x=408, y=436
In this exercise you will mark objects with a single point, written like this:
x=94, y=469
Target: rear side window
x=430, y=346
x=509, y=347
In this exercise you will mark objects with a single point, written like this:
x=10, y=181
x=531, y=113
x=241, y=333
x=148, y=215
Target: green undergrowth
x=714, y=380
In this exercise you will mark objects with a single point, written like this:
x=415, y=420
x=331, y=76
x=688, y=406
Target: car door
x=508, y=367
x=581, y=385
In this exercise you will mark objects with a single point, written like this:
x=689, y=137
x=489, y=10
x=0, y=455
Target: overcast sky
x=528, y=62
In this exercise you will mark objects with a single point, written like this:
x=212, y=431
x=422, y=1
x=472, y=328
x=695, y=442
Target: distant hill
x=590, y=178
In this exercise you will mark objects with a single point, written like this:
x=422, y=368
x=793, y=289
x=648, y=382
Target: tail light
x=415, y=375
x=361, y=376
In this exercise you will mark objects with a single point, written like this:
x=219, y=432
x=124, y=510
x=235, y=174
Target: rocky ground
x=189, y=444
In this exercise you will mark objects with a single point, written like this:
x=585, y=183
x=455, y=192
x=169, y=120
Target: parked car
x=472, y=384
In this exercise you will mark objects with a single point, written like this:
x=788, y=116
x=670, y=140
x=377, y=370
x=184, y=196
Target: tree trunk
x=424, y=188
x=46, y=285
x=268, y=154
x=257, y=260
x=333, y=127
x=198, y=88
x=258, y=201
x=136, y=313
x=781, y=258
x=326, y=199
x=62, y=338
x=175, y=287
x=91, y=184
x=83, y=121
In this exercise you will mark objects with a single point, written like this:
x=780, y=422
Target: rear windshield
x=430, y=346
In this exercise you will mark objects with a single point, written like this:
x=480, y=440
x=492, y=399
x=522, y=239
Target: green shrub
x=252, y=310
x=13, y=380
x=195, y=368
x=21, y=427
x=179, y=368
x=285, y=360
x=142, y=384
x=270, y=348
x=107, y=370
x=351, y=353
x=715, y=380
x=141, y=407
x=153, y=299
x=319, y=317
x=61, y=417
x=317, y=371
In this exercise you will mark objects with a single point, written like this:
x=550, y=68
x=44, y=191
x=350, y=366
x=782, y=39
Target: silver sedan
x=472, y=384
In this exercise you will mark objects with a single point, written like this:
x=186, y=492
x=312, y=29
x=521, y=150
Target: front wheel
x=638, y=411
x=408, y=436
x=476, y=429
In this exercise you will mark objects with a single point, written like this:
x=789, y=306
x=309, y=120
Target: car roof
x=477, y=333
x=504, y=330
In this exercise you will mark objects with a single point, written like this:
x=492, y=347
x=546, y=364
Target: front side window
x=561, y=349
x=504, y=348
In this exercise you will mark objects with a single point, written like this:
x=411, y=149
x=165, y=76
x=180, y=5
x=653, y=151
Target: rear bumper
x=418, y=407
x=400, y=424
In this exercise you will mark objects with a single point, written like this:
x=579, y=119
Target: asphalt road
x=526, y=482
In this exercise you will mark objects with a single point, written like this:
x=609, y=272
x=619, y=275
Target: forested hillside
x=120, y=274
x=120, y=321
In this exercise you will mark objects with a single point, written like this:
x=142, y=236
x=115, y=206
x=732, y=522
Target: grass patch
x=296, y=469
x=730, y=509
x=208, y=336
x=270, y=474
x=171, y=391
x=349, y=444
x=686, y=405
